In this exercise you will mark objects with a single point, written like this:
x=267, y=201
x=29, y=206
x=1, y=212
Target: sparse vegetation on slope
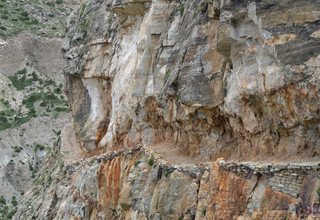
x=7, y=210
x=41, y=97
x=39, y=17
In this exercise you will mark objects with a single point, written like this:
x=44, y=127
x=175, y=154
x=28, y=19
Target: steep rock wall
x=232, y=79
x=161, y=90
x=138, y=184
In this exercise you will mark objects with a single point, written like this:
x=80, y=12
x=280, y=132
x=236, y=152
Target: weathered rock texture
x=190, y=81
x=136, y=184
x=237, y=79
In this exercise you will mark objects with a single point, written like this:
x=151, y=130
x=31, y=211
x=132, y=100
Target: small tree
x=2, y=200
x=14, y=201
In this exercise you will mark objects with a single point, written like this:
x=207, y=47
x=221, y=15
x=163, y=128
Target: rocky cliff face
x=188, y=110
x=232, y=79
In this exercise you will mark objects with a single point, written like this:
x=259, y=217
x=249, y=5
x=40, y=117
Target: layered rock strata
x=237, y=79
x=137, y=184
x=159, y=90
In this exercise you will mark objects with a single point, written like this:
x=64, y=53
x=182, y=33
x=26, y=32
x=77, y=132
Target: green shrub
x=22, y=18
x=49, y=82
x=39, y=147
x=11, y=213
x=43, y=104
x=181, y=9
x=125, y=206
x=6, y=118
x=62, y=109
x=14, y=201
x=5, y=103
x=151, y=161
x=51, y=4
x=2, y=200
x=167, y=74
x=22, y=72
x=4, y=17
x=19, y=80
x=17, y=149
x=57, y=90
x=30, y=166
x=203, y=212
x=136, y=163
x=31, y=99
x=167, y=173
x=61, y=164
x=24, y=14
x=59, y=1
x=32, y=22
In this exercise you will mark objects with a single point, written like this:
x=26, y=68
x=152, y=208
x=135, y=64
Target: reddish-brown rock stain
x=273, y=200
x=109, y=183
x=111, y=175
x=231, y=197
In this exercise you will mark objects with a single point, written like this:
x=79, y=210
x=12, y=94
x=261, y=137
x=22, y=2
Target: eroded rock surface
x=216, y=78
x=137, y=184
x=161, y=90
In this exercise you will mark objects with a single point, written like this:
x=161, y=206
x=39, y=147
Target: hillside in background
x=40, y=17
x=33, y=107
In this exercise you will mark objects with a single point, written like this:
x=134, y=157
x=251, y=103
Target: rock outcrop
x=189, y=109
x=138, y=184
x=216, y=78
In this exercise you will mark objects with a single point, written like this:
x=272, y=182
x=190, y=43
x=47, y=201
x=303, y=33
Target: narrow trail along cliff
x=187, y=109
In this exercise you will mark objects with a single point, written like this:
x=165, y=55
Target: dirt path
x=173, y=153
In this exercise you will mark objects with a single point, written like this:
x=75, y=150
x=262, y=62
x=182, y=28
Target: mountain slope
x=33, y=107
x=190, y=109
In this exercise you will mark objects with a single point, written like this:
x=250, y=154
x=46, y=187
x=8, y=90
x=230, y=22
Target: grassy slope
x=42, y=96
x=40, y=17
